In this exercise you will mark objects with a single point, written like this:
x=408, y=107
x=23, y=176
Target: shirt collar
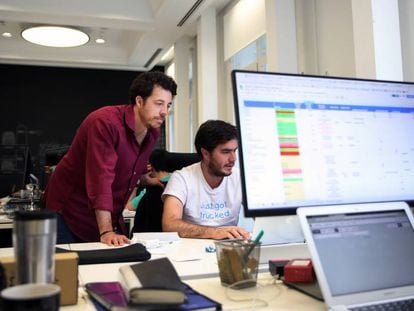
x=130, y=117
x=130, y=121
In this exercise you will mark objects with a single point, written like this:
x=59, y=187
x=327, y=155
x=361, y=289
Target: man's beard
x=215, y=171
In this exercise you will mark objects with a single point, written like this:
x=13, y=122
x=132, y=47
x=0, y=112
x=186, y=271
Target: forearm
x=106, y=231
x=188, y=230
x=104, y=220
x=129, y=206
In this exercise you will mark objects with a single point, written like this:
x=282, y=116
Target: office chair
x=148, y=216
x=178, y=160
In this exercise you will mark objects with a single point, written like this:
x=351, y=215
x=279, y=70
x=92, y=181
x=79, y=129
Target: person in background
x=203, y=200
x=108, y=156
x=148, y=204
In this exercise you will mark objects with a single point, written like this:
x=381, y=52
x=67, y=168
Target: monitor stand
x=282, y=239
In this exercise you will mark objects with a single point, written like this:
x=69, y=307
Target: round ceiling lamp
x=55, y=36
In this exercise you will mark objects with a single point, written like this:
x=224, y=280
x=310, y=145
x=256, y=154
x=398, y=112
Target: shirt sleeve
x=135, y=201
x=176, y=187
x=101, y=159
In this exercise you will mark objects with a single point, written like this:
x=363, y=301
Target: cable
x=258, y=296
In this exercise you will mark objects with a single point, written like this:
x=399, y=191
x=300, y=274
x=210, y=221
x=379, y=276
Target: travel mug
x=34, y=240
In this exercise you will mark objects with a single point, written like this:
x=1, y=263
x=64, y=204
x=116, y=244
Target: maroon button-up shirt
x=100, y=170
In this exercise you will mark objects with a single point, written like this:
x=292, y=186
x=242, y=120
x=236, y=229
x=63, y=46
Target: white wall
x=406, y=12
x=351, y=38
x=243, y=24
x=325, y=38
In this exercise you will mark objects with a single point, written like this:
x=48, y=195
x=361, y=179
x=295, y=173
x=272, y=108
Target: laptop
x=363, y=254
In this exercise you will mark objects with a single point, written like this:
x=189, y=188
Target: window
x=252, y=57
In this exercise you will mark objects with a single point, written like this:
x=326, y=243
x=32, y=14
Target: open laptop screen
x=367, y=251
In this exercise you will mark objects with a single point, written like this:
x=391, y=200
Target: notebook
x=363, y=254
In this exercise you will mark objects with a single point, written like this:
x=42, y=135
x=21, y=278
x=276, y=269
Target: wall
x=48, y=103
x=325, y=38
x=407, y=37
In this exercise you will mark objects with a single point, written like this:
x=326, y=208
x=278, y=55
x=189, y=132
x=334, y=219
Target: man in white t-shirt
x=203, y=200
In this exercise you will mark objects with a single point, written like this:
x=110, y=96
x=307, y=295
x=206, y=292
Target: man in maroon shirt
x=109, y=154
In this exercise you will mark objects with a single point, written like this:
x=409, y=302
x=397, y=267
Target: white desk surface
x=7, y=223
x=199, y=269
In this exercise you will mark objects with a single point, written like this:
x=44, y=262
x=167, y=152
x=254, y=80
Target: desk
x=6, y=226
x=199, y=269
x=7, y=223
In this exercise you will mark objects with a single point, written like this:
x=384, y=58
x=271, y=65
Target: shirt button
x=135, y=173
x=130, y=189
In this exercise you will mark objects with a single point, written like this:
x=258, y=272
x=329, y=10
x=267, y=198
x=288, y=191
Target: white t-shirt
x=202, y=204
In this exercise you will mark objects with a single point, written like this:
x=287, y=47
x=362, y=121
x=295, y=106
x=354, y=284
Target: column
x=281, y=36
x=182, y=103
x=207, y=66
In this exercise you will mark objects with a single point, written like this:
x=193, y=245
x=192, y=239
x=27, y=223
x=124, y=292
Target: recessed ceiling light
x=7, y=34
x=55, y=36
x=100, y=40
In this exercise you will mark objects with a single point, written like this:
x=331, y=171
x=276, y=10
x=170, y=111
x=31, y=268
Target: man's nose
x=164, y=110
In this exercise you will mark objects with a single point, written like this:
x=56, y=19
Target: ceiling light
x=55, y=36
x=101, y=39
x=7, y=34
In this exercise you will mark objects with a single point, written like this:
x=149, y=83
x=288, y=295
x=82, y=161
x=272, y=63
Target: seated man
x=147, y=203
x=203, y=200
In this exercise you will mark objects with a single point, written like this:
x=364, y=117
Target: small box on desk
x=66, y=275
x=299, y=270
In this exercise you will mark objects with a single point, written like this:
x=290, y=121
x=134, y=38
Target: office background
x=366, y=39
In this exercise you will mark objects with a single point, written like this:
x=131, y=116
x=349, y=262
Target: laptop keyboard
x=389, y=306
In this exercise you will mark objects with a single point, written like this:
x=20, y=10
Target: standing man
x=109, y=154
x=203, y=200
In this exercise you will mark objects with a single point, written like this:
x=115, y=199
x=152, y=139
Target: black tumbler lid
x=34, y=215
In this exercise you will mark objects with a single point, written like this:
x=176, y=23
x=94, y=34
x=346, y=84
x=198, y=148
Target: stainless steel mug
x=34, y=240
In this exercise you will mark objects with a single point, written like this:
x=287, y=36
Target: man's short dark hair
x=144, y=83
x=212, y=133
x=158, y=160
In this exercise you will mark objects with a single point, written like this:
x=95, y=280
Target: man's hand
x=107, y=234
x=172, y=221
x=113, y=239
x=233, y=232
x=147, y=180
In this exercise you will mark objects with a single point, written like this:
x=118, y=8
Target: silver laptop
x=363, y=254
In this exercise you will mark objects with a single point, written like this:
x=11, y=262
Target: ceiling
x=138, y=33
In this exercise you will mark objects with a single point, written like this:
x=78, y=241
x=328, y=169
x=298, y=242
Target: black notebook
x=153, y=282
x=130, y=253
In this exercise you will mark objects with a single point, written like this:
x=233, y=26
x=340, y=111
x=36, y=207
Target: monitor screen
x=310, y=140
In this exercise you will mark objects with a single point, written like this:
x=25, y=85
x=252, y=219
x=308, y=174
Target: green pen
x=255, y=242
x=258, y=237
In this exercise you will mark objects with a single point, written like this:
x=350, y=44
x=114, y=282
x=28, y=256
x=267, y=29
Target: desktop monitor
x=312, y=141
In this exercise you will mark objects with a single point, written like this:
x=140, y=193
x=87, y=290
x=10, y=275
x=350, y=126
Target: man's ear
x=205, y=154
x=139, y=101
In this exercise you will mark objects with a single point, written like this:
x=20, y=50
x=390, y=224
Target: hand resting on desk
x=113, y=239
x=233, y=232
